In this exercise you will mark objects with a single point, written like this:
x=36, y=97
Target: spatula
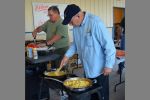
x=58, y=70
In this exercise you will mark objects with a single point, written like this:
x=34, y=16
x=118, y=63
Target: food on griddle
x=79, y=83
x=32, y=45
x=53, y=73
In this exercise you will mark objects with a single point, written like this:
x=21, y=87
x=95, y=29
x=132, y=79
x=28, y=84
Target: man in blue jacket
x=94, y=45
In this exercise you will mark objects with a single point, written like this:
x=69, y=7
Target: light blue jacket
x=94, y=45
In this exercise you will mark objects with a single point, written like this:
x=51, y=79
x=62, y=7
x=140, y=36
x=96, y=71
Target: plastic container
x=29, y=52
x=35, y=54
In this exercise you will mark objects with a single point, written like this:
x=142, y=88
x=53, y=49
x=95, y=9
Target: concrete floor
x=120, y=91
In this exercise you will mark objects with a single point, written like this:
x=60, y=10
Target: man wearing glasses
x=56, y=32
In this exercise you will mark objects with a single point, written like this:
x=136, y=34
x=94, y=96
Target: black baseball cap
x=69, y=12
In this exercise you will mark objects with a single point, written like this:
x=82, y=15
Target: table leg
x=120, y=78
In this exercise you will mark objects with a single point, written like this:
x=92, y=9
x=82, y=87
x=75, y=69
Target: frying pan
x=77, y=79
x=91, y=82
x=59, y=75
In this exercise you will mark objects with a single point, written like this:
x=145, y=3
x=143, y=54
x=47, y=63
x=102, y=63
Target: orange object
x=32, y=45
x=120, y=53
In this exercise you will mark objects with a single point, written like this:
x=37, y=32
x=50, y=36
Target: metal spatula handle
x=34, y=40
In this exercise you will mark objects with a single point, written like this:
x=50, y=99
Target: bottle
x=49, y=66
x=29, y=52
x=35, y=54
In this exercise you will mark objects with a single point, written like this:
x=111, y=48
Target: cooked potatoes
x=78, y=83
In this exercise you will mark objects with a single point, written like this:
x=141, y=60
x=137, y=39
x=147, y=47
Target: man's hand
x=107, y=71
x=64, y=61
x=49, y=42
x=54, y=39
x=37, y=30
x=34, y=33
x=41, y=45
